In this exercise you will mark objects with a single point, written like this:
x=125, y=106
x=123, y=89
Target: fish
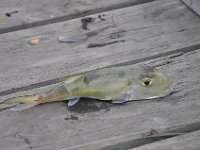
x=117, y=84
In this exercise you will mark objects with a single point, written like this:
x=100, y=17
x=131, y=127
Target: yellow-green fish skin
x=27, y=99
x=116, y=83
x=119, y=83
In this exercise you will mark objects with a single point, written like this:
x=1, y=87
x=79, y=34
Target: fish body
x=119, y=84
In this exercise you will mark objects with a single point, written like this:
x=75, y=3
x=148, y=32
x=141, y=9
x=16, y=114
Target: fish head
x=151, y=83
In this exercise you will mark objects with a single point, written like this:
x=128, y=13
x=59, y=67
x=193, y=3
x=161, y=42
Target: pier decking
x=163, y=33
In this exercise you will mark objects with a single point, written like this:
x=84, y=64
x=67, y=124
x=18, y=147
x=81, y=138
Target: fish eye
x=147, y=82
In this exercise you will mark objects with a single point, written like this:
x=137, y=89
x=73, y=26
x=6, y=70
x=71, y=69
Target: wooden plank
x=188, y=141
x=53, y=126
x=135, y=140
x=33, y=13
x=152, y=29
x=194, y=5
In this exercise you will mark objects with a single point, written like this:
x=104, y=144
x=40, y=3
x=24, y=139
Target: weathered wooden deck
x=164, y=33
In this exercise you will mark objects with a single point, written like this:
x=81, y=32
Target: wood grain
x=33, y=13
x=150, y=30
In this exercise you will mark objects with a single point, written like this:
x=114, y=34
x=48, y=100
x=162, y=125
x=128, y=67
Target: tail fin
x=20, y=103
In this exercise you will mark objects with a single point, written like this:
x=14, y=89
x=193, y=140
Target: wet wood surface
x=162, y=33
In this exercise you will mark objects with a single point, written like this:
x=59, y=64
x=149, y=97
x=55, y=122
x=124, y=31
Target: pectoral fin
x=20, y=107
x=73, y=101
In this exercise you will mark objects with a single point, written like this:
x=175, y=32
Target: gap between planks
x=140, y=139
x=189, y=141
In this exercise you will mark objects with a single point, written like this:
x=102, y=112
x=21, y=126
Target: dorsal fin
x=71, y=79
x=57, y=90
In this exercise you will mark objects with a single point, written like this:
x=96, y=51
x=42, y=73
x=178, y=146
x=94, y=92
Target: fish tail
x=58, y=93
x=27, y=99
x=21, y=102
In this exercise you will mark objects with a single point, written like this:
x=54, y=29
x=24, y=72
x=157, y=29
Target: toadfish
x=118, y=84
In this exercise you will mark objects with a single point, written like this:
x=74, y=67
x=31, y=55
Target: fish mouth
x=152, y=97
x=168, y=92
